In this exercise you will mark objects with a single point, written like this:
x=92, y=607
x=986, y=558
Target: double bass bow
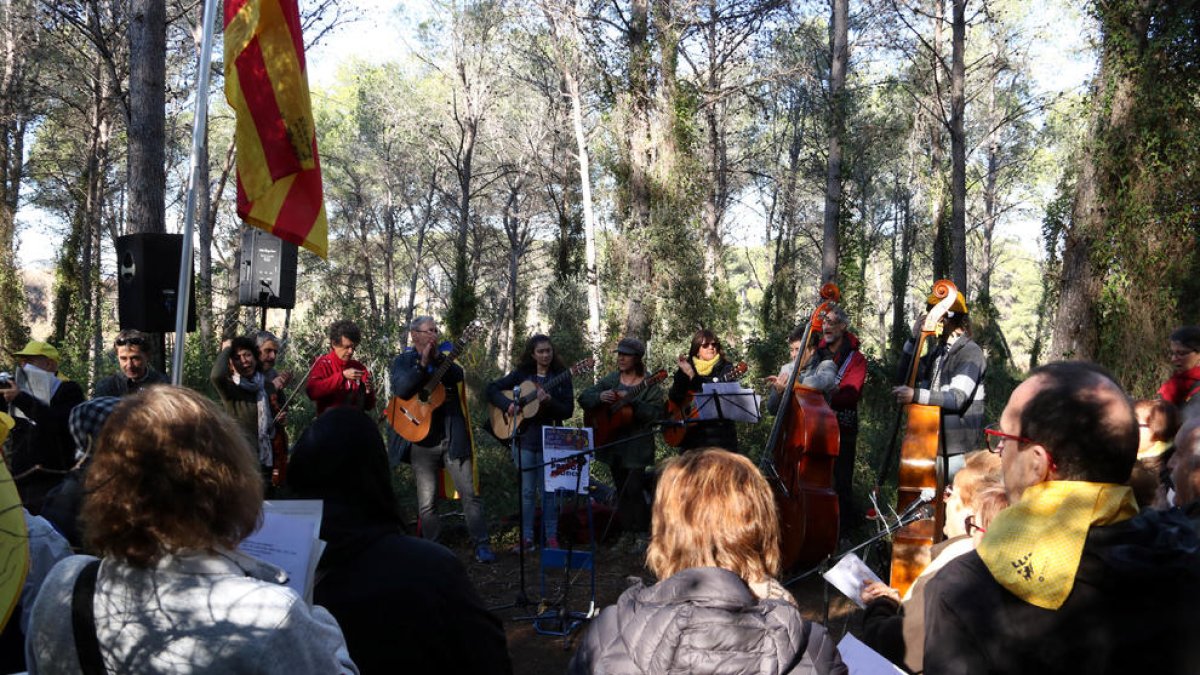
x=920, y=478
x=800, y=455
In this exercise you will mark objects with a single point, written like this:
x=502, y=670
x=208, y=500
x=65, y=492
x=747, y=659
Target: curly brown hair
x=171, y=471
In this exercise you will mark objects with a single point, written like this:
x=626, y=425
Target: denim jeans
x=425, y=463
x=533, y=481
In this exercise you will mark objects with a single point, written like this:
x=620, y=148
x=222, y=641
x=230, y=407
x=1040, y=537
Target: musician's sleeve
x=680, y=385
x=590, y=398
x=496, y=389
x=406, y=375
x=561, y=403
x=324, y=380
x=650, y=406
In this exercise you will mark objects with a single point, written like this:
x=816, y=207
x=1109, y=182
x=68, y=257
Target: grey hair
x=835, y=312
x=262, y=337
x=421, y=321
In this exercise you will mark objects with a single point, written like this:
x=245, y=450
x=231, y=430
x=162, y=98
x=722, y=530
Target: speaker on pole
x=268, y=270
x=148, y=282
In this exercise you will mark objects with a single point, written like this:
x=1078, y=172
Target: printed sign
x=564, y=450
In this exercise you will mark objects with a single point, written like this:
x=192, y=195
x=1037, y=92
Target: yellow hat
x=36, y=348
x=959, y=306
x=6, y=425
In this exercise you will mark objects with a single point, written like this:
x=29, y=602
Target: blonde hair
x=989, y=501
x=980, y=470
x=171, y=471
x=713, y=508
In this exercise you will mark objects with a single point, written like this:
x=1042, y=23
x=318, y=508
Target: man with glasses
x=133, y=356
x=449, y=444
x=1070, y=577
x=336, y=379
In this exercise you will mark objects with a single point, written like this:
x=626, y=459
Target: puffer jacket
x=703, y=620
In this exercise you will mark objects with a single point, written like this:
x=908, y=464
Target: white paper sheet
x=566, y=469
x=290, y=539
x=849, y=576
x=862, y=660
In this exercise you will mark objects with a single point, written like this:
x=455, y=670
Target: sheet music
x=849, y=576
x=728, y=401
x=862, y=660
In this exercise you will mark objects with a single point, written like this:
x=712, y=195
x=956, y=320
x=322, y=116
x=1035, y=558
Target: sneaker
x=552, y=542
x=526, y=545
x=483, y=554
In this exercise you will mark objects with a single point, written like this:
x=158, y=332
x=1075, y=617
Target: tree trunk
x=958, y=150
x=16, y=30
x=592, y=272
x=147, y=118
x=937, y=186
x=640, y=303
x=839, y=53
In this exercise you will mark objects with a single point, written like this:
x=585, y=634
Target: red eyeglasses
x=995, y=438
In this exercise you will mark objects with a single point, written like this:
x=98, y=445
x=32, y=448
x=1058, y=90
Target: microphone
x=923, y=500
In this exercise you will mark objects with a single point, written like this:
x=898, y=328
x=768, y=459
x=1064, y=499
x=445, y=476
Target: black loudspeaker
x=268, y=270
x=148, y=282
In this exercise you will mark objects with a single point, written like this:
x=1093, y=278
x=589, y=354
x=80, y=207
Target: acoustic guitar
x=528, y=403
x=608, y=419
x=411, y=417
x=680, y=413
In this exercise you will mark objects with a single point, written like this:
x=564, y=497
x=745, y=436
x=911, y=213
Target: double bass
x=920, y=478
x=800, y=455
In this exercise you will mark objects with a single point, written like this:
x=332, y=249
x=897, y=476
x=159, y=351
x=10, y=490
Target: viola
x=919, y=474
x=800, y=455
x=680, y=413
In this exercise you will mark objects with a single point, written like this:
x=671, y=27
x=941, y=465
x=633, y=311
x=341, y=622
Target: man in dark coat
x=1070, y=578
x=41, y=449
x=133, y=350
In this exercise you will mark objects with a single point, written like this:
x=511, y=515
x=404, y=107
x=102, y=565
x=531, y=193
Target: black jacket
x=1134, y=608
x=709, y=433
x=703, y=620
x=119, y=385
x=43, y=439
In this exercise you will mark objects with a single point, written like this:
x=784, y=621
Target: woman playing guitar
x=627, y=459
x=539, y=363
x=704, y=362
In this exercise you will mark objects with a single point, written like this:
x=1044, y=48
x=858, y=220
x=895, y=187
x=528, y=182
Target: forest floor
x=499, y=585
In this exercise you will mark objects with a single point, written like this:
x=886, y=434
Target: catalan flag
x=278, y=171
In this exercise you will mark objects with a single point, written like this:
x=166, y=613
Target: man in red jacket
x=336, y=379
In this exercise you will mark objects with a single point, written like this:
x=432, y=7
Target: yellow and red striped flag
x=278, y=171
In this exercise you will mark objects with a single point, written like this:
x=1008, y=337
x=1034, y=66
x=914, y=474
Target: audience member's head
x=989, y=501
x=87, y=419
x=713, y=508
x=341, y=458
x=1185, y=464
x=981, y=469
x=1158, y=421
x=1071, y=421
x=171, y=472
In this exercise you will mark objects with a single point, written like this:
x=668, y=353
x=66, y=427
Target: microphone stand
x=918, y=510
x=522, y=598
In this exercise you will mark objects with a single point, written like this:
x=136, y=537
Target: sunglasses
x=131, y=341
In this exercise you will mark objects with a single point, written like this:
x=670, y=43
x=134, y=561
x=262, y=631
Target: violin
x=800, y=455
x=279, y=442
x=920, y=476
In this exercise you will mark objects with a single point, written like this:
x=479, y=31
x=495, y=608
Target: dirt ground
x=533, y=653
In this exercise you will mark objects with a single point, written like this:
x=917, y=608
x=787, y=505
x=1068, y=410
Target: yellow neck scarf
x=1033, y=547
x=1154, y=449
x=703, y=368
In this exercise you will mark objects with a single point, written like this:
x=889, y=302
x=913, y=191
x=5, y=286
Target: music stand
x=727, y=401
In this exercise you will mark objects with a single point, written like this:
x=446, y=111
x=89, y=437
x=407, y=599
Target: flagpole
x=185, y=260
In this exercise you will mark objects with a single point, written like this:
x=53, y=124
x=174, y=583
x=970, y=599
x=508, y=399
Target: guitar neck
x=445, y=367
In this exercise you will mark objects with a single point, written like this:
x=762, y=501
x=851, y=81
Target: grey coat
x=703, y=620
